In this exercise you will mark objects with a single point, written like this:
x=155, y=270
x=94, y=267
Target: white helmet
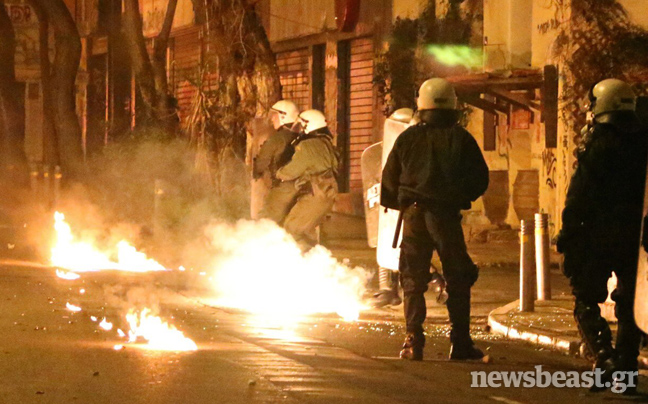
x=436, y=93
x=612, y=95
x=311, y=120
x=403, y=115
x=287, y=110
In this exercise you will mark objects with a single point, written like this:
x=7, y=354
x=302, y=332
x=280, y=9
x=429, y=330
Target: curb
x=523, y=333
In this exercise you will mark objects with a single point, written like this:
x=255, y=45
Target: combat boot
x=465, y=351
x=627, y=348
x=597, y=338
x=389, y=293
x=413, y=347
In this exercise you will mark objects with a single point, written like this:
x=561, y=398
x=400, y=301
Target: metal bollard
x=47, y=195
x=527, y=267
x=542, y=256
x=57, y=184
x=33, y=178
x=157, y=208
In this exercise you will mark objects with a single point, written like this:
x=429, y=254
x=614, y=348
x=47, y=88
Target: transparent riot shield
x=371, y=164
x=386, y=255
x=641, y=295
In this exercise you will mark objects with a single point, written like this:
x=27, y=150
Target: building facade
x=327, y=54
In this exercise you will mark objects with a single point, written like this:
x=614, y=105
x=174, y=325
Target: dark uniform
x=601, y=231
x=311, y=171
x=434, y=170
x=274, y=154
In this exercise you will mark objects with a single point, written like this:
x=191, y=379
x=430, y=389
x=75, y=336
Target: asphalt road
x=51, y=355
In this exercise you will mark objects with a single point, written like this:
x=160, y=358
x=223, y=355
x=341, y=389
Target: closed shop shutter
x=361, y=106
x=294, y=72
x=186, y=61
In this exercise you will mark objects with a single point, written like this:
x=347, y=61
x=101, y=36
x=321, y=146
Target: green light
x=456, y=55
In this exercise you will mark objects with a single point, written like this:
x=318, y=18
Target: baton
x=398, y=229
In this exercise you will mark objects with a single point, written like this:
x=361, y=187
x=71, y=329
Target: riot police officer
x=274, y=154
x=602, y=221
x=434, y=170
x=311, y=171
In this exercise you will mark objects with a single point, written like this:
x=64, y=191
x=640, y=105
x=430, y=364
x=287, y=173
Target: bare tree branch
x=162, y=40
x=63, y=83
x=12, y=115
x=140, y=62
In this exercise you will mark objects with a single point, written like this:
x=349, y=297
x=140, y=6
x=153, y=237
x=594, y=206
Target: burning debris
x=70, y=276
x=255, y=266
x=72, y=308
x=160, y=335
x=105, y=325
x=83, y=256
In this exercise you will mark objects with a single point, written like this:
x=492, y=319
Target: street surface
x=52, y=355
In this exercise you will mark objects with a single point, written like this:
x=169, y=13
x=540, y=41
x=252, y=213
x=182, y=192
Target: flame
x=160, y=335
x=105, y=325
x=259, y=268
x=83, y=256
x=70, y=276
x=72, y=308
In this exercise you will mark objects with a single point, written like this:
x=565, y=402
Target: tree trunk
x=12, y=107
x=150, y=71
x=244, y=65
x=165, y=109
x=50, y=143
x=266, y=73
x=62, y=81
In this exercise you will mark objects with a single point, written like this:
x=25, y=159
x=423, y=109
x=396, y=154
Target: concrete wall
x=407, y=8
x=153, y=12
x=295, y=18
x=637, y=10
x=507, y=34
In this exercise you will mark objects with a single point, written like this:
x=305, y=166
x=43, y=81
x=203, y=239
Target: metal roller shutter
x=294, y=73
x=186, y=62
x=361, y=106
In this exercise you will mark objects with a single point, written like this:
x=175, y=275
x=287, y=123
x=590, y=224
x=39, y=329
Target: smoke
x=161, y=197
x=158, y=195
x=258, y=267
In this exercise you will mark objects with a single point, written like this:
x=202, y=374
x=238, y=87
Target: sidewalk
x=495, y=299
x=551, y=324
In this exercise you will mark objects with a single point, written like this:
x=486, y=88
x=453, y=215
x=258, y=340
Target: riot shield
x=386, y=255
x=371, y=165
x=641, y=295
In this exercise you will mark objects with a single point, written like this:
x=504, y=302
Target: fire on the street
x=82, y=256
x=105, y=325
x=70, y=276
x=159, y=335
x=259, y=268
x=72, y=308
x=256, y=267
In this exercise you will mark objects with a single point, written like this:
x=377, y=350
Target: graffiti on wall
x=25, y=24
x=154, y=11
x=549, y=163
